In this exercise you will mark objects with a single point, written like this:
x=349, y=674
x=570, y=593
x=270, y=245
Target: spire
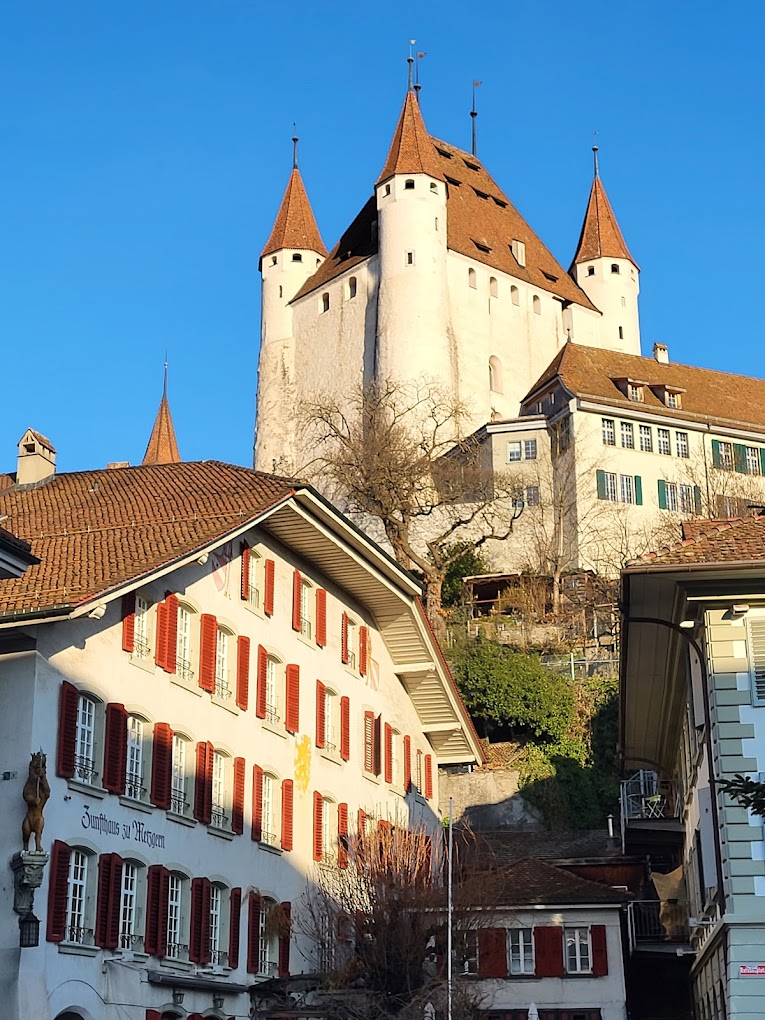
x=411, y=151
x=163, y=447
x=600, y=236
x=295, y=225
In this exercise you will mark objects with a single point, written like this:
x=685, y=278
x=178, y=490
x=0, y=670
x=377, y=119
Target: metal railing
x=272, y=714
x=269, y=838
x=183, y=669
x=644, y=797
x=219, y=958
x=128, y=940
x=79, y=936
x=178, y=802
x=218, y=819
x=84, y=770
x=222, y=689
x=653, y=922
x=134, y=787
x=141, y=649
x=176, y=951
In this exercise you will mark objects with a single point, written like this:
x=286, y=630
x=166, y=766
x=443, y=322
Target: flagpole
x=449, y=911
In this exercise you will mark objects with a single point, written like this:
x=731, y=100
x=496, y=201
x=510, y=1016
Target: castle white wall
x=615, y=294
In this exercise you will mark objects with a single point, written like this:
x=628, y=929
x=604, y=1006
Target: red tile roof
x=707, y=395
x=728, y=542
x=600, y=236
x=163, y=447
x=97, y=530
x=532, y=882
x=412, y=150
x=295, y=225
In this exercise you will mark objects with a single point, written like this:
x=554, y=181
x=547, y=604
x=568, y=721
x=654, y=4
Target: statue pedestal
x=28, y=870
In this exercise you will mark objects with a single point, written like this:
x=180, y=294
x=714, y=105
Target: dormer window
x=297, y=257
x=444, y=153
x=482, y=245
x=409, y=185
x=634, y=392
x=518, y=248
x=481, y=194
x=614, y=267
x=453, y=181
x=673, y=399
x=471, y=166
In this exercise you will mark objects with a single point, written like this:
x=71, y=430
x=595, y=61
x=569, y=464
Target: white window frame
x=176, y=950
x=753, y=465
x=273, y=715
x=682, y=445
x=610, y=485
x=218, y=904
x=514, y=447
x=577, y=939
x=135, y=759
x=634, y=392
x=532, y=496
x=306, y=609
x=268, y=943
x=129, y=906
x=627, y=435
x=687, y=502
x=223, y=657
x=78, y=899
x=141, y=629
x=219, y=818
x=520, y=951
x=664, y=442
x=608, y=430
x=646, y=439
x=330, y=701
x=85, y=740
x=268, y=810
x=183, y=649
x=672, y=496
x=253, y=578
x=530, y=446
x=179, y=802
x=755, y=644
x=726, y=456
x=627, y=488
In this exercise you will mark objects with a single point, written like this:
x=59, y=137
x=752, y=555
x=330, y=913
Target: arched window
x=472, y=279
x=269, y=810
x=136, y=765
x=224, y=656
x=220, y=793
x=352, y=286
x=515, y=295
x=537, y=305
x=274, y=260
x=184, y=642
x=252, y=566
x=130, y=899
x=177, y=917
x=408, y=185
x=614, y=267
x=87, y=738
x=142, y=629
x=219, y=901
x=495, y=374
x=297, y=257
x=274, y=674
x=325, y=302
x=493, y=287
x=179, y=780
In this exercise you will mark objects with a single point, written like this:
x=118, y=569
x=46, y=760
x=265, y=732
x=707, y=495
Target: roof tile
x=600, y=236
x=295, y=225
x=412, y=150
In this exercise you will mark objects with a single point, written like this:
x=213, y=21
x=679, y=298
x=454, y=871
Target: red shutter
x=253, y=934
x=284, y=941
x=429, y=776
x=388, y=753
x=377, y=745
x=208, y=639
x=257, y=803
x=171, y=632
x=57, y=891
x=599, y=951
x=203, y=783
x=268, y=597
x=342, y=835
x=153, y=1014
x=345, y=728
x=234, y=920
x=318, y=826
x=115, y=748
x=287, y=809
x=242, y=672
x=199, y=928
x=407, y=763
x=157, y=881
x=321, y=714
x=548, y=951
x=245, y=572
x=321, y=617
x=160, y=653
x=68, y=702
x=237, y=805
x=260, y=694
x=344, y=639
x=108, y=901
x=128, y=621
x=492, y=952
x=297, y=585
x=361, y=823
x=292, y=715
x=162, y=766
x=363, y=650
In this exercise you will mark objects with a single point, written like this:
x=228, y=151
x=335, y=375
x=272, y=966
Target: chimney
x=37, y=459
x=661, y=353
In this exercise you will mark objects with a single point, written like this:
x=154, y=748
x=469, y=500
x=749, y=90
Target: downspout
x=707, y=734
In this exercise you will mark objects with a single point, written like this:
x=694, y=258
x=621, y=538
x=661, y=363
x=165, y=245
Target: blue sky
x=146, y=147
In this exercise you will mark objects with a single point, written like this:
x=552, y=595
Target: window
x=305, y=609
x=223, y=664
x=325, y=302
x=352, y=641
x=609, y=433
x=525, y=449
x=564, y=434
x=687, y=501
x=529, y=449
x=330, y=722
x=495, y=374
x=513, y=451
x=646, y=439
x=672, y=501
x=179, y=801
x=142, y=643
x=387, y=189
x=274, y=260
x=532, y=495
x=536, y=304
x=410, y=258
x=752, y=460
x=493, y=287
x=409, y=185
x=418, y=773
x=756, y=630
x=371, y=744
x=297, y=257
x=521, y=951
x=634, y=392
x=128, y=909
x=219, y=819
x=183, y=652
x=84, y=755
x=614, y=267
x=175, y=889
x=607, y=486
x=628, y=435
x=328, y=832
x=251, y=563
x=78, y=900
x=268, y=942
x=725, y=458
x=621, y=332
x=627, y=488
x=681, y=443
x=352, y=286
x=272, y=689
x=578, y=955
x=672, y=399
x=134, y=784
x=268, y=816
x=434, y=187
x=515, y=295
x=663, y=444
x=218, y=902
x=472, y=282
x=590, y=270
x=518, y=248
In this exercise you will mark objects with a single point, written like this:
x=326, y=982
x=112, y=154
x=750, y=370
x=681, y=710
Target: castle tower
x=607, y=273
x=413, y=301
x=291, y=255
x=163, y=446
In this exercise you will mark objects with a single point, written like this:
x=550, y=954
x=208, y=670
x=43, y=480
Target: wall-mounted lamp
x=738, y=611
x=29, y=931
x=177, y=997
x=203, y=559
x=217, y=1002
x=97, y=613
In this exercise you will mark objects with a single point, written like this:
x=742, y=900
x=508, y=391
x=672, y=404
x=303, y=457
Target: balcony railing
x=658, y=922
x=646, y=797
x=222, y=689
x=85, y=770
x=183, y=669
x=178, y=802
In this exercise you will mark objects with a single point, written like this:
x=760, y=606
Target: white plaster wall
x=616, y=295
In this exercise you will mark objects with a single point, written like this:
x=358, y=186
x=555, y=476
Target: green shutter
x=716, y=458
x=739, y=458
x=662, y=494
x=697, y=499
x=762, y=459
x=638, y=490
x=600, y=477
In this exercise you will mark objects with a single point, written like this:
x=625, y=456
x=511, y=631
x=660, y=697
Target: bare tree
x=397, y=454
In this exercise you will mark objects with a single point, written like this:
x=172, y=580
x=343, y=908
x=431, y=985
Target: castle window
x=493, y=289
x=351, y=288
x=325, y=302
x=274, y=260
x=297, y=257
x=434, y=187
x=495, y=374
x=281, y=291
x=387, y=189
x=614, y=267
x=410, y=258
x=436, y=223
x=621, y=332
x=472, y=278
x=537, y=305
x=409, y=185
x=515, y=295
x=590, y=270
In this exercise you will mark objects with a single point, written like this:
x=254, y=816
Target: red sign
x=751, y=970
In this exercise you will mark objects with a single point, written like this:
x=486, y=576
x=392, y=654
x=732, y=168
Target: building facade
x=229, y=682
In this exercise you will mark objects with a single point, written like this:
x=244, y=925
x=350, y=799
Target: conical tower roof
x=412, y=150
x=600, y=236
x=295, y=225
x=163, y=446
